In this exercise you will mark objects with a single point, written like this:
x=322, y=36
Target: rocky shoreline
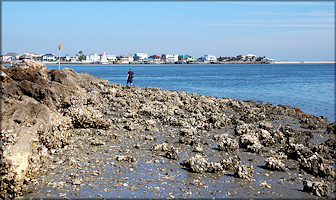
x=56, y=121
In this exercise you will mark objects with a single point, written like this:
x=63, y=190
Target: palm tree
x=81, y=55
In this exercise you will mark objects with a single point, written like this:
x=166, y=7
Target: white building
x=185, y=58
x=93, y=58
x=126, y=60
x=140, y=56
x=69, y=58
x=28, y=56
x=250, y=57
x=208, y=58
x=74, y=58
x=9, y=57
x=169, y=58
x=33, y=55
x=111, y=58
x=156, y=59
x=49, y=57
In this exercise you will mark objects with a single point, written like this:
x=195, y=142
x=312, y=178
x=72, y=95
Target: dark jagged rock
x=231, y=163
x=244, y=172
x=172, y=153
x=316, y=165
x=320, y=189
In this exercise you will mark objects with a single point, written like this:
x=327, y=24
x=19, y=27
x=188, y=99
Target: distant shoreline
x=251, y=63
x=304, y=62
x=229, y=62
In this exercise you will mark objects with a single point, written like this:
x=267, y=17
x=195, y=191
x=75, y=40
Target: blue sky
x=280, y=30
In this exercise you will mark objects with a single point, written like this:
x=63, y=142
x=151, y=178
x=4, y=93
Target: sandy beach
x=304, y=62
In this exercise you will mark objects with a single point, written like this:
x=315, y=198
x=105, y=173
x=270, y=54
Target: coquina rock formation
x=41, y=109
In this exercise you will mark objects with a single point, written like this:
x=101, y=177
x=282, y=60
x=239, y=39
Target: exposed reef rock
x=196, y=164
x=320, y=189
x=244, y=172
x=33, y=118
x=226, y=142
x=275, y=164
x=46, y=112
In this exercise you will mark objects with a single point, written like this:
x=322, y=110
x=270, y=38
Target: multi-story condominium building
x=33, y=55
x=9, y=57
x=126, y=60
x=208, y=58
x=140, y=56
x=169, y=58
x=111, y=58
x=185, y=58
x=49, y=57
x=250, y=57
x=93, y=58
x=28, y=56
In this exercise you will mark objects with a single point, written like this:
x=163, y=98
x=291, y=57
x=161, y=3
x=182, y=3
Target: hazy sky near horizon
x=280, y=30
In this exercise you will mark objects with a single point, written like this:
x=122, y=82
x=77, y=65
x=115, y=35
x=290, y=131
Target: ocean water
x=310, y=87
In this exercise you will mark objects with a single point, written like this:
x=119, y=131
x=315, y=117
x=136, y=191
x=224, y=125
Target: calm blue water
x=310, y=87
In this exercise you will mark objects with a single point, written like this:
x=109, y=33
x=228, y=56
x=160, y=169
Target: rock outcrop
x=41, y=110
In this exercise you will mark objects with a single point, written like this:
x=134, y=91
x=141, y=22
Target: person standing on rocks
x=130, y=77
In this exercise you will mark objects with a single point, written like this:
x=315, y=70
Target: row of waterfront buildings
x=137, y=58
